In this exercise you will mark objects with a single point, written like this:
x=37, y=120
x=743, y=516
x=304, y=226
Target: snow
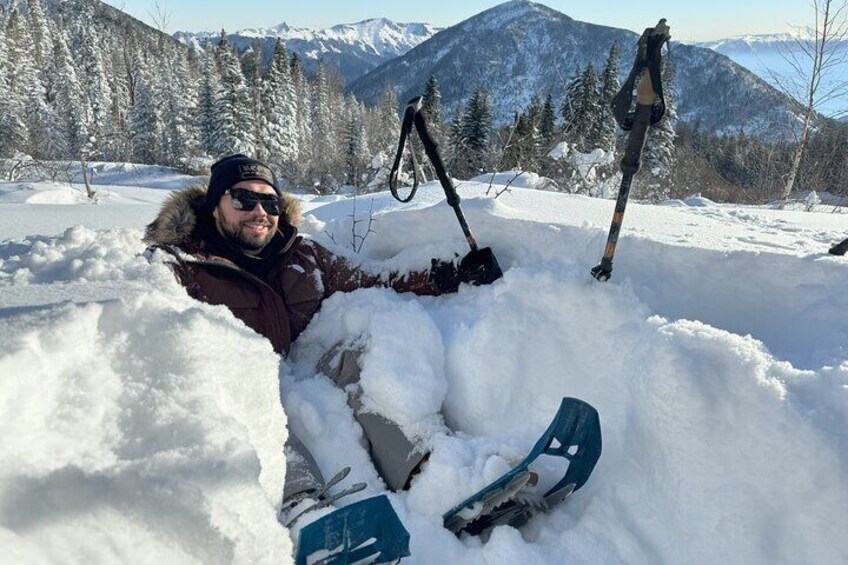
x=515, y=178
x=140, y=425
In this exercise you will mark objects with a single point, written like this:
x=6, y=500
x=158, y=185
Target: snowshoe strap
x=337, y=478
x=325, y=501
x=648, y=57
x=368, y=529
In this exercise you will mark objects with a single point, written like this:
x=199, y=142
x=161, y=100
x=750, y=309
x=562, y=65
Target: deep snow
x=140, y=425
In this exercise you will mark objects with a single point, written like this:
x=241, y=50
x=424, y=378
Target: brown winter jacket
x=276, y=297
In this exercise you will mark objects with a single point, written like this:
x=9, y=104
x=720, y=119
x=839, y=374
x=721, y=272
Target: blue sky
x=689, y=20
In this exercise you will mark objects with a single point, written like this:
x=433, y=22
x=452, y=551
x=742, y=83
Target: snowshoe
x=368, y=531
x=574, y=435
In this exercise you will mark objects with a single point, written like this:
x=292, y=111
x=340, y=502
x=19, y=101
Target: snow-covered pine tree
x=177, y=102
x=548, y=138
x=581, y=110
x=355, y=142
x=532, y=141
x=234, y=122
x=324, y=139
x=13, y=133
x=386, y=127
x=570, y=110
x=4, y=86
x=389, y=120
x=117, y=144
x=278, y=133
x=93, y=80
x=68, y=98
x=205, y=117
x=302, y=166
x=456, y=143
x=41, y=37
x=477, y=133
x=432, y=108
x=432, y=103
x=123, y=80
x=658, y=155
x=336, y=99
x=547, y=124
x=588, y=135
x=145, y=122
x=251, y=67
x=26, y=93
x=610, y=85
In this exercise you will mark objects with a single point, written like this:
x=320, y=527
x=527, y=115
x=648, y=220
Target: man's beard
x=238, y=235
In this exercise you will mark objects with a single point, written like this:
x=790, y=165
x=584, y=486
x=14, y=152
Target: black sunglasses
x=246, y=200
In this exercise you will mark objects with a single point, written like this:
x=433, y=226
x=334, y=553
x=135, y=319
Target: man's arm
x=478, y=267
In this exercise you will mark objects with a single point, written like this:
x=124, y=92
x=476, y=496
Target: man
x=236, y=244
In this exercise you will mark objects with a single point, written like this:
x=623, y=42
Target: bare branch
x=161, y=15
x=358, y=241
x=818, y=60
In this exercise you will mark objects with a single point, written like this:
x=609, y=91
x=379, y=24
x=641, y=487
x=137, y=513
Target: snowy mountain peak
x=380, y=35
x=514, y=10
x=520, y=49
x=354, y=48
x=752, y=42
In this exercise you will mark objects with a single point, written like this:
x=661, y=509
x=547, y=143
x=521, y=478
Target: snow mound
x=62, y=196
x=79, y=255
x=517, y=179
x=128, y=439
x=677, y=443
x=699, y=201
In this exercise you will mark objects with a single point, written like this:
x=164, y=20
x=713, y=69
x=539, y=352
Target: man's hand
x=476, y=268
x=480, y=267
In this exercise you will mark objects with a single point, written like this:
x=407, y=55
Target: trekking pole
x=650, y=108
x=414, y=117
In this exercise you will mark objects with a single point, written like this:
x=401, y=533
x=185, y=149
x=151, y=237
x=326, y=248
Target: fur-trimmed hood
x=179, y=223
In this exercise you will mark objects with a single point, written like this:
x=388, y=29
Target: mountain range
x=774, y=58
x=354, y=49
x=520, y=49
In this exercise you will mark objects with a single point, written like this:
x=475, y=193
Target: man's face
x=250, y=230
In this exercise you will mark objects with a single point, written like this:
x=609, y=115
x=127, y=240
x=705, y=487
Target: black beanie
x=232, y=170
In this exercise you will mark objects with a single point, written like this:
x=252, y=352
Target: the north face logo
x=256, y=171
